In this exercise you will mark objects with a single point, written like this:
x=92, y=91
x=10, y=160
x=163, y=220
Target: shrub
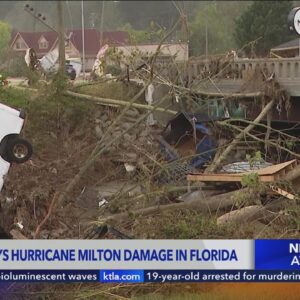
x=113, y=70
x=16, y=67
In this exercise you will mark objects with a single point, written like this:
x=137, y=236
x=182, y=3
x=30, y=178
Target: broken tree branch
x=113, y=102
x=230, y=147
x=261, y=140
x=50, y=209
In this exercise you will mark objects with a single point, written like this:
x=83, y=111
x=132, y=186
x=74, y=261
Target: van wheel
x=18, y=150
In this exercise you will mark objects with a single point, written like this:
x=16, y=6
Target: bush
x=113, y=70
x=16, y=67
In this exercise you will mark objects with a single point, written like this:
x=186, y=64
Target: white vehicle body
x=4, y=168
x=49, y=62
x=11, y=123
x=10, y=117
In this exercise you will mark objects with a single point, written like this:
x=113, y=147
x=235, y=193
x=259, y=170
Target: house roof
x=32, y=38
x=92, y=39
x=91, y=36
x=293, y=44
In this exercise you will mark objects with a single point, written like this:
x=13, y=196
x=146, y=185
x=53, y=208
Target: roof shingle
x=91, y=37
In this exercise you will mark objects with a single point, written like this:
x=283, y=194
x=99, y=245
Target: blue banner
x=277, y=255
x=129, y=276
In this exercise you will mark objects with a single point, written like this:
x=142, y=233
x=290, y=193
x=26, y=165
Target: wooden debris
x=283, y=193
x=268, y=174
x=17, y=235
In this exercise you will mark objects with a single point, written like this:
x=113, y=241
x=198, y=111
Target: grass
x=14, y=97
x=111, y=90
x=49, y=115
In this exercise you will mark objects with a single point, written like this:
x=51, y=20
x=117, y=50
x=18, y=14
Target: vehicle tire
x=18, y=150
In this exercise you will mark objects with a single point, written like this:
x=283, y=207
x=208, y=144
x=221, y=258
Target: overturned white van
x=13, y=148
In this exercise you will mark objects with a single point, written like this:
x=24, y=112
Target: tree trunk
x=114, y=102
x=230, y=147
x=204, y=205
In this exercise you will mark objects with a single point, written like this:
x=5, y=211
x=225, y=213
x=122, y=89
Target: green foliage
x=33, y=77
x=113, y=70
x=250, y=180
x=16, y=67
x=140, y=13
x=136, y=36
x=59, y=83
x=112, y=90
x=189, y=228
x=266, y=21
x=14, y=98
x=290, y=144
x=218, y=20
x=5, y=31
x=56, y=114
x=256, y=158
x=153, y=33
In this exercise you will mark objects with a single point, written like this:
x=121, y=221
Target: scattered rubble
x=117, y=165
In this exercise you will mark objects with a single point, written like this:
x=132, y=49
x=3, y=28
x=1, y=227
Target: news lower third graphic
x=277, y=254
x=160, y=261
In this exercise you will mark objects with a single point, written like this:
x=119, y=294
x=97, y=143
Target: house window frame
x=20, y=45
x=43, y=44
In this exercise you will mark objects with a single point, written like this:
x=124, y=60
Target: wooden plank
x=283, y=193
x=268, y=174
x=214, y=177
x=225, y=177
x=276, y=168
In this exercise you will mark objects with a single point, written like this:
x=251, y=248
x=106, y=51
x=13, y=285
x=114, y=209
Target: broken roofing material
x=244, y=166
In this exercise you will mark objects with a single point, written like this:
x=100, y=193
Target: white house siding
x=180, y=50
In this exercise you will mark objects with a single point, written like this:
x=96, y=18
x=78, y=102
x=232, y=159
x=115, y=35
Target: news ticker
x=150, y=254
x=148, y=276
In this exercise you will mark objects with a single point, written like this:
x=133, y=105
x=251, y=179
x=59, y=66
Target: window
x=20, y=45
x=43, y=45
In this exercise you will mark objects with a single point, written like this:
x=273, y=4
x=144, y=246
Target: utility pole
x=83, y=42
x=206, y=34
x=101, y=24
x=61, y=37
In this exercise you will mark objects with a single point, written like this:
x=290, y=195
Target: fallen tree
x=252, y=213
x=204, y=203
x=114, y=103
x=244, y=214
